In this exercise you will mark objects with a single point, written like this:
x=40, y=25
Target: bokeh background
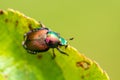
x=95, y=25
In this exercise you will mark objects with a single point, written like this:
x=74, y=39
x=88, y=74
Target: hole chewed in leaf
x=83, y=64
x=16, y=23
x=1, y=12
x=6, y=20
x=39, y=56
x=6, y=76
x=82, y=76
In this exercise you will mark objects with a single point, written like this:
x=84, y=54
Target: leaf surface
x=17, y=64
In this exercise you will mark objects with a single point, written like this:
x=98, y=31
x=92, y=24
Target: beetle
x=42, y=39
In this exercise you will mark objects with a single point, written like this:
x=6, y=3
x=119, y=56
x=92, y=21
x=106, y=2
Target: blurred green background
x=95, y=25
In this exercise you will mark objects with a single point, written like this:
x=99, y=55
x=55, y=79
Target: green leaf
x=17, y=64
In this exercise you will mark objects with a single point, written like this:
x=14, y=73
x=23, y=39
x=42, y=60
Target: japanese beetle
x=42, y=39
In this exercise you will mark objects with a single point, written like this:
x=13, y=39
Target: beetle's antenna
x=53, y=53
x=71, y=38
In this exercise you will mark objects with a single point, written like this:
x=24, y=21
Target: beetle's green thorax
x=55, y=35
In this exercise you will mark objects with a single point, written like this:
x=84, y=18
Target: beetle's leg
x=53, y=53
x=23, y=42
x=30, y=27
x=66, y=46
x=62, y=51
x=25, y=36
x=42, y=25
